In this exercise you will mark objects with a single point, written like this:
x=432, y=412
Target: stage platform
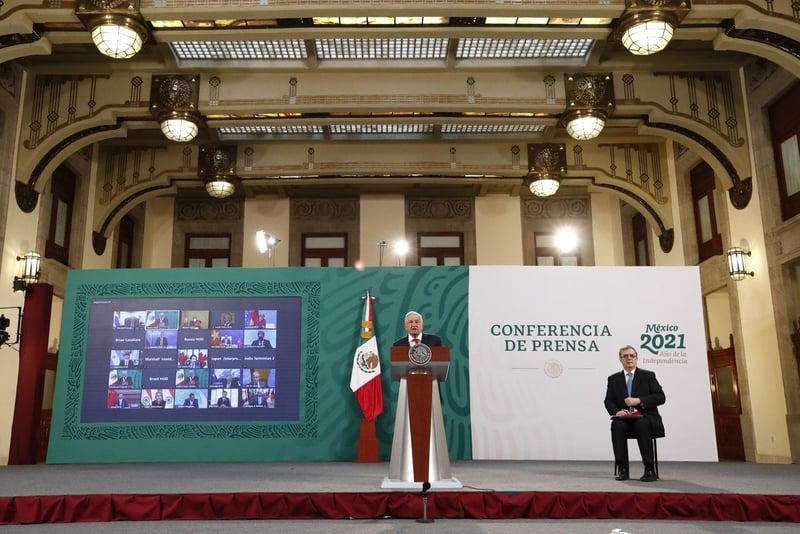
x=497, y=490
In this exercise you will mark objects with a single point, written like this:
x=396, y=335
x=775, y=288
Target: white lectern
x=419, y=445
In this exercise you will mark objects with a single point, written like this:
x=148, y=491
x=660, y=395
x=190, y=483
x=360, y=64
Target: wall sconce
x=217, y=168
x=646, y=26
x=31, y=270
x=173, y=102
x=117, y=27
x=547, y=163
x=590, y=101
x=737, y=263
x=267, y=243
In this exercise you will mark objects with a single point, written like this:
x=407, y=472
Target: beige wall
x=498, y=230
x=90, y=259
x=759, y=350
x=718, y=316
x=607, y=230
x=270, y=214
x=159, y=220
x=382, y=219
x=675, y=256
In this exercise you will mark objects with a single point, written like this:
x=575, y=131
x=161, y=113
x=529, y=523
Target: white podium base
x=395, y=484
x=401, y=463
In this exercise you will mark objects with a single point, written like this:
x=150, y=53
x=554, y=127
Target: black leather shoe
x=649, y=476
x=622, y=473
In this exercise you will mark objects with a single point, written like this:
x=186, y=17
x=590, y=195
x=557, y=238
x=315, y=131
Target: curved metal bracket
x=743, y=188
x=99, y=243
x=27, y=196
x=98, y=237
x=741, y=193
x=67, y=141
x=775, y=40
x=666, y=236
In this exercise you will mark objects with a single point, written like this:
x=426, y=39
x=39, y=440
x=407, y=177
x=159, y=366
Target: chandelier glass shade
x=583, y=125
x=117, y=36
x=544, y=185
x=643, y=35
x=219, y=187
x=179, y=126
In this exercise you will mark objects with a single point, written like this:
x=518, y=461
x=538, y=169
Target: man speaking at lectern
x=413, y=325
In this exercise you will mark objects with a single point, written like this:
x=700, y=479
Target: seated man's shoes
x=622, y=473
x=649, y=476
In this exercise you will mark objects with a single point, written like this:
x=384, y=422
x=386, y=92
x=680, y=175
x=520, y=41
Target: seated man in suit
x=159, y=401
x=126, y=360
x=224, y=401
x=632, y=399
x=229, y=381
x=124, y=381
x=191, y=401
x=256, y=381
x=261, y=341
x=191, y=380
x=413, y=324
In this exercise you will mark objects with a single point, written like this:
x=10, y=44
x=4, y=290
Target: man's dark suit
x=124, y=382
x=648, y=390
x=431, y=340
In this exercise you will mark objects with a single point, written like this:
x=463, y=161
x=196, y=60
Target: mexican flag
x=365, y=379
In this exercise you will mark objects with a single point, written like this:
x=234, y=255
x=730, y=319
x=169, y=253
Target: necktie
x=416, y=341
x=629, y=384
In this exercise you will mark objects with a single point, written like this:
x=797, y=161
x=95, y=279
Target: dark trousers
x=639, y=428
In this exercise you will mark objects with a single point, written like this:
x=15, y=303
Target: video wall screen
x=193, y=359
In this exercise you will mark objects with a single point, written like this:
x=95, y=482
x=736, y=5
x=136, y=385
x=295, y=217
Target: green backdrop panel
x=329, y=419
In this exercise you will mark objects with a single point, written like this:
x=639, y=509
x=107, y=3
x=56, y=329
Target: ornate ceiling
x=385, y=95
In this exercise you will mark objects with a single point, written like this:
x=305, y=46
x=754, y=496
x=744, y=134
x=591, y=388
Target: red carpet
x=452, y=505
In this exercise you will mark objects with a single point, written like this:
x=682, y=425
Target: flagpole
x=368, y=436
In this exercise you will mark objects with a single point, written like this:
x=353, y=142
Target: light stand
x=267, y=243
x=5, y=322
x=381, y=247
x=425, y=519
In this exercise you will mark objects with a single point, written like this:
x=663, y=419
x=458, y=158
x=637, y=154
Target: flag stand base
x=367, y=443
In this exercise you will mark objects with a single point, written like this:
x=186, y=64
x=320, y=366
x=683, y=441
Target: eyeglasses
x=628, y=356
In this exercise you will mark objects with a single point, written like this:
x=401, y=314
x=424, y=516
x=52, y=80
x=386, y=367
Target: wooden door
x=726, y=403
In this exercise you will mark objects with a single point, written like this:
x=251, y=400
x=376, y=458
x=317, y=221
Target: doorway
x=726, y=403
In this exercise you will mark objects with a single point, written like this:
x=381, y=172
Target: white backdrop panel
x=543, y=341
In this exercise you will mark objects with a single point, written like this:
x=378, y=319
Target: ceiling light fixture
x=590, y=100
x=647, y=26
x=547, y=164
x=217, y=169
x=173, y=102
x=116, y=26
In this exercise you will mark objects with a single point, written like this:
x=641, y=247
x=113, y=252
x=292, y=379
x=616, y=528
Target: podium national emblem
x=420, y=354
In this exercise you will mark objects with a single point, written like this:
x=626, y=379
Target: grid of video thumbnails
x=193, y=359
